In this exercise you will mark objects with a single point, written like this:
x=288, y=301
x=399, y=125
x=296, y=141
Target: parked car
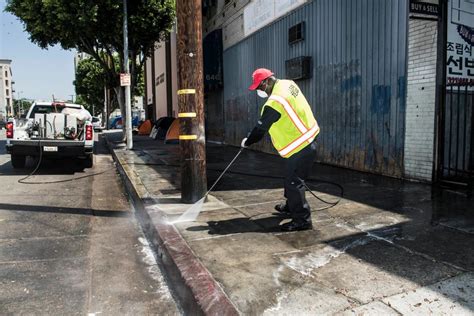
x=97, y=124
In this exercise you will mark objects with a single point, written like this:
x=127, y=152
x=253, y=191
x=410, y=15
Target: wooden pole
x=191, y=100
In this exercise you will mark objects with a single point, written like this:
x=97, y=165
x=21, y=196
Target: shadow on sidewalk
x=62, y=210
x=241, y=225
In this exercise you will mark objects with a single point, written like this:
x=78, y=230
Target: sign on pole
x=124, y=79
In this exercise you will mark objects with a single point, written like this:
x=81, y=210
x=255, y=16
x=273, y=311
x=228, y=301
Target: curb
x=197, y=291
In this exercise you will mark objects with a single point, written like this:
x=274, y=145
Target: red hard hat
x=258, y=76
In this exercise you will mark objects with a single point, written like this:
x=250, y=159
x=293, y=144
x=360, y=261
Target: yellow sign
x=187, y=114
x=186, y=91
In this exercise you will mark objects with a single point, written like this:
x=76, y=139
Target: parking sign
x=124, y=79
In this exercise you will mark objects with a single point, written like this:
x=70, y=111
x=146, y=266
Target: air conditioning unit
x=299, y=68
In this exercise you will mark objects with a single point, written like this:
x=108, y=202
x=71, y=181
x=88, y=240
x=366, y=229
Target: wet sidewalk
x=388, y=247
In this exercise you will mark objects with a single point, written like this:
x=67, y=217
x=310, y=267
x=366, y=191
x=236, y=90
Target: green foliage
x=21, y=104
x=95, y=27
x=139, y=89
x=89, y=83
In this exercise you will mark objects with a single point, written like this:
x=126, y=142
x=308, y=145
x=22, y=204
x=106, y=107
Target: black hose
x=22, y=180
x=305, y=183
x=37, y=166
x=60, y=181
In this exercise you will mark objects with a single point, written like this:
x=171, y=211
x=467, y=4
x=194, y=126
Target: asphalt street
x=72, y=246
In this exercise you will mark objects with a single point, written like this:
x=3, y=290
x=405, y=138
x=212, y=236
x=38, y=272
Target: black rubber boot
x=283, y=208
x=296, y=226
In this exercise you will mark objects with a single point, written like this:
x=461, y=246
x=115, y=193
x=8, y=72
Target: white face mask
x=262, y=94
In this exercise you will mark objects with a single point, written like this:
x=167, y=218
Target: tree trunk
x=119, y=92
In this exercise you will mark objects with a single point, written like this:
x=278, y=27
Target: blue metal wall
x=357, y=89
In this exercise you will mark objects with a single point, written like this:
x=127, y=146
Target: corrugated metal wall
x=357, y=91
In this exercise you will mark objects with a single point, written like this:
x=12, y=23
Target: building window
x=6, y=83
x=296, y=33
x=6, y=73
x=7, y=92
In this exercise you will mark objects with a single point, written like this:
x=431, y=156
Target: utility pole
x=20, y=103
x=13, y=99
x=191, y=100
x=128, y=106
x=106, y=110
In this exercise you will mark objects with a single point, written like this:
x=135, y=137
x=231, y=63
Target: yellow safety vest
x=297, y=126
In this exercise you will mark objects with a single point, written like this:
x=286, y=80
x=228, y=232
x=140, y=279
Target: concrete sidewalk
x=388, y=247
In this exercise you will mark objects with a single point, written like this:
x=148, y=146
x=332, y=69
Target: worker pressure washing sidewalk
x=287, y=116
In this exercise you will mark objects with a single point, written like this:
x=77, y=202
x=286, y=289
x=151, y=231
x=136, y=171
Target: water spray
x=194, y=210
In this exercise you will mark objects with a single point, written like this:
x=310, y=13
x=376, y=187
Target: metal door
x=457, y=141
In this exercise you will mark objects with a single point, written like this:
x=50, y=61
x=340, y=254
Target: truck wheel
x=89, y=161
x=18, y=161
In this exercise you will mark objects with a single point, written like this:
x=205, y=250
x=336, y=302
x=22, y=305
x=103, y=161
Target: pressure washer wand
x=223, y=172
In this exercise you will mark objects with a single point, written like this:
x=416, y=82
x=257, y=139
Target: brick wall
x=420, y=111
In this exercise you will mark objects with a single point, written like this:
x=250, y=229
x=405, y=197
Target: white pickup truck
x=51, y=129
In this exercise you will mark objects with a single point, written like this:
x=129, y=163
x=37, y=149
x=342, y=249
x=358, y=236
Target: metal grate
x=457, y=154
x=298, y=68
x=296, y=33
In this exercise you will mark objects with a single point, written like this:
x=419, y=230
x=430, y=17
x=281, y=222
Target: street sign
x=124, y=79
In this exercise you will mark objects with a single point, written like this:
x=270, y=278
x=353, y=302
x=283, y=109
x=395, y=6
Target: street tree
x=95, y=28
x=22, y=105
x=89, y=83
